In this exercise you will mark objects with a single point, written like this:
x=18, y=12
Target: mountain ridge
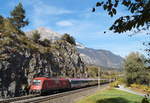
x=99, y=57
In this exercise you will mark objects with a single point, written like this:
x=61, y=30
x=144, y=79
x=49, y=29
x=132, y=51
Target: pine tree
x=18, y=17
x=1, y=21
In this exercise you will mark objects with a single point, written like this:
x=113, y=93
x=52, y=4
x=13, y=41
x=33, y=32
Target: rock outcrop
x=45, y=34
x=90, y=56
x=21, y=59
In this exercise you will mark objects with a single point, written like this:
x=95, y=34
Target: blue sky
x=75, y=17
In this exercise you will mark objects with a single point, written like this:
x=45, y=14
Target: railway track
x=38, y=98
x=49, y=97
x=13, y=100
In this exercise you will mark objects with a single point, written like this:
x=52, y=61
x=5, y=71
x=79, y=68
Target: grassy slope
x=112, y=96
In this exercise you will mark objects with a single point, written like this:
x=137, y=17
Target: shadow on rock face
x=113, y=100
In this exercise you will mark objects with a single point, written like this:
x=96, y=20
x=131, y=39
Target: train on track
x=42, y=85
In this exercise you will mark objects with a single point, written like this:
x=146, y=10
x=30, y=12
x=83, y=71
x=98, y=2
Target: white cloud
x=64, y=23
x=40, y=7
x=44, y=9
x=44, y=14
x=87, y=28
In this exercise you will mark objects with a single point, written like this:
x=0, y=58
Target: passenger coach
x=41, y=85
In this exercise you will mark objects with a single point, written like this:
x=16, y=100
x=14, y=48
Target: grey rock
x=19, y=66
x=90, y=56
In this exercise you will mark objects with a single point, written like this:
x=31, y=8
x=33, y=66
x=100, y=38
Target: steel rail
x=54, y=96
x=17, y=98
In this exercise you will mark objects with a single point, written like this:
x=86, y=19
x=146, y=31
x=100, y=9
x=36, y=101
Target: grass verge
x=112, y=96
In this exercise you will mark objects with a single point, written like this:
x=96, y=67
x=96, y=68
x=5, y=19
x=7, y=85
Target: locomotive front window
x=36, y=82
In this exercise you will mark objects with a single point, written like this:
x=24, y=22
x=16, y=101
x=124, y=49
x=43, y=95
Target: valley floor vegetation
x=112, y=96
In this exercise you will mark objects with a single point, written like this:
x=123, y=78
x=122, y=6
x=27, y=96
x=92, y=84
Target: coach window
x=36, y=82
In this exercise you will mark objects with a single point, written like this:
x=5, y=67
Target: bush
x=142, y=87
x=45, y=43
x=121, y=80
x=145, y=100
x=134, y=85
x=115, y=84
x=36, y=36
x=69, y=39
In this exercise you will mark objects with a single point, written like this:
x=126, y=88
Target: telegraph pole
x=98, y=78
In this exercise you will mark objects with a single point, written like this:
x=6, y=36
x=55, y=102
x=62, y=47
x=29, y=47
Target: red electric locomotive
x=42, y=85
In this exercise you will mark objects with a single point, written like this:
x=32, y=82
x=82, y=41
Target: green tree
x=18, y=17
x=92, y=71
x=6, y=27
x=1, y=19
x=139, y=18
x=1, y=23
x=135, y=71
x=36, y=36
x=68, y=38
x=45, y=43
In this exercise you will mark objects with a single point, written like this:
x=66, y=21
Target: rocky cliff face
x=90, y=56
x=21, y=59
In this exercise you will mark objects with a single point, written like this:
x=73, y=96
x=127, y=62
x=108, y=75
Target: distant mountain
x=99, y=57
x=45, y=34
